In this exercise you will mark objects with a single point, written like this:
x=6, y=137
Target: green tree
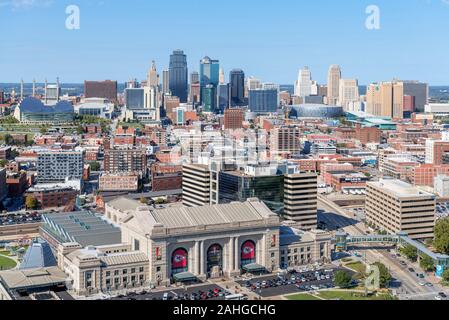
x=43, y=130
x=446, y=275
x=31, y=202
x=3, y=163
x=342, y=279
x=144, y=200
x=95, y=166
x=159, y=201
x=385, y=276
x=410, y=252
x=426, y=263
x=441, y=242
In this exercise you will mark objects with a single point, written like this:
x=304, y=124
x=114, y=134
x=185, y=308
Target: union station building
x=224, y=240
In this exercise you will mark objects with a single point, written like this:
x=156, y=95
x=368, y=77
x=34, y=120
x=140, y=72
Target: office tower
x=263, y=101
x=194, y=77
x=419, y=92
x=134, y=98
x=385, y=99
x=253, y=83
x=285, y=139
x=210, y=98
x=223, y=97
x=301, y=199
x=333, y=84
x=2, y=97
x=33, y=91
x=395, y=206
x=195, y=185
x=233, y=118
x=209, y=74
x=153, y=76
x=52, y=93
x=221, y=78
x=151, y=101
x=237, y=88
x=178, y=75
x=56, y=166
x=349, y=94
x=125, y=159
x=166, y=82
x=303, y=87
x=101, y=89
x=435, y=150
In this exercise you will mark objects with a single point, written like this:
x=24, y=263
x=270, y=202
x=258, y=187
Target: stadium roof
x=33, y=105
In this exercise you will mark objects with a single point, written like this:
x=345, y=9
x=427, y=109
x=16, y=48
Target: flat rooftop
x=399, y=188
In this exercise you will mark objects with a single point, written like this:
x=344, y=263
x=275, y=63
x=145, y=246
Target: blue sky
x=269, y=39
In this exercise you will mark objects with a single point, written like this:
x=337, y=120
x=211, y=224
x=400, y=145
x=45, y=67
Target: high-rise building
x=333, y=84
x=221, y=78
x=56, y=166
x=101, y=89
x=209, y=74
x=195, y=185
x=349, y=94
x=222, y=97
x=233, y=118
x=210, y=98
x=178, y=75
x=170, y=105
x=194, y=77
x=3, y=185
x=124, y=159
x=237, y=88
x=303, y=87
x=2, y=97
x=195, y=93
x=263, y=101
x=386, y=99
x=52, y=93
x=153, y=76
x=134, y=98
x=285, y=139
x=166, y=82
x=301, y=199
x=395, y=206
x=420, y=93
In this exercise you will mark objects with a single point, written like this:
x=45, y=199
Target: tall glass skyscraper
x=263, y=100
x=178, y=75
x=209, y=74
x=237, y=88
x=223, y=97
x=210, y=98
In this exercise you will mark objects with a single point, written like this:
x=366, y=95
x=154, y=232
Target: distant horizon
x=268, y=40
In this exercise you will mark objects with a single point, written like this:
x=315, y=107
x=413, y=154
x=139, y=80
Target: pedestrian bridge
x=343, y=240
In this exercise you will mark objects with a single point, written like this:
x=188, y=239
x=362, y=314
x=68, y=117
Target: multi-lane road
x=336, y=218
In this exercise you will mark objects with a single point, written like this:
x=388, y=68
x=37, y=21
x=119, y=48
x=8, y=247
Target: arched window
x=214, y=257
x=179, y=261
x=248, y=253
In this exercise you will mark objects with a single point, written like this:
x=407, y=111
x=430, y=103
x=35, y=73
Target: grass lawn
x=357, y=266
x=6, y=263
x=347, y=295
x=302, y=297
x=131, y=124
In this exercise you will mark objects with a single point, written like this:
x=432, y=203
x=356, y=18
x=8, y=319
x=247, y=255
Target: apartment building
x=396, y=206
x=125, y=159
x=56, y=166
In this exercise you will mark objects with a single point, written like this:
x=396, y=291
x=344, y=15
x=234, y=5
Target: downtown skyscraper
x=178, y=75
x=237, y=88
x=333, y=84
x=209, y=74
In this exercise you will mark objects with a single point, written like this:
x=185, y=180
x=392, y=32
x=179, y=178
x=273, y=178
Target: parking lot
x=442, y=210
x=20, y=218
x=271, y=286
x=204, y=292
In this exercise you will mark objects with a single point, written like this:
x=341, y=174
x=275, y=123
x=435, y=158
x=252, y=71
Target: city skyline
x=118, y=47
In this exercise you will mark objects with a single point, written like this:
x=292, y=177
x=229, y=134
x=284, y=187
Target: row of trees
x=344, y=280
